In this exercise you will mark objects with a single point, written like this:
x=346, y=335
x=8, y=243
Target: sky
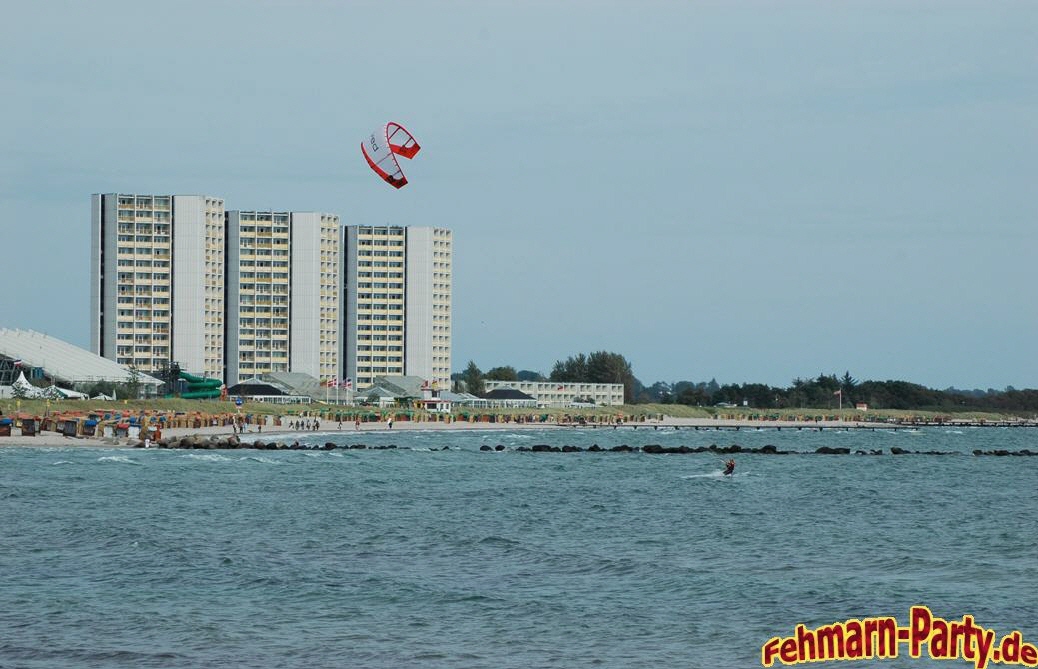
x=751, y=192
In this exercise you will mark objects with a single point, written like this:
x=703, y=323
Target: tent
x=27, y=389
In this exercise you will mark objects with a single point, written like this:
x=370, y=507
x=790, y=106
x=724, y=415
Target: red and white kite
x=382, y=148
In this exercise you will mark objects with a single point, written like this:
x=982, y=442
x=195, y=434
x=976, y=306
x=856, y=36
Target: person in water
x=729, y=467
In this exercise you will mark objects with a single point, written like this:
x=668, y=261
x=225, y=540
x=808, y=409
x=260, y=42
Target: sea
x=435, y=553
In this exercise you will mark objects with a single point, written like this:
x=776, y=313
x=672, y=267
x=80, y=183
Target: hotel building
x=282, y=294
x=236, y=294
x=559, y=394
x=397, y=303
x=157, y=281
x=258, y=286
x=316, y=271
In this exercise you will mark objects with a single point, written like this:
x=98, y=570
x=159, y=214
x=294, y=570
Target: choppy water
x=417, y=557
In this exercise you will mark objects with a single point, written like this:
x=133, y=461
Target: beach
x=285, y=432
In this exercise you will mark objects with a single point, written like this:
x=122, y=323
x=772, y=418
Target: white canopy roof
x=63, y=361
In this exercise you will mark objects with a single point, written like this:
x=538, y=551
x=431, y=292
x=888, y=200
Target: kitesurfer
x=729, y=467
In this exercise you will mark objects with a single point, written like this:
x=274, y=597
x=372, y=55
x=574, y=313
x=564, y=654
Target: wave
x=716, y=474
x=208, y=457
x=261, y=459
x=117, y=458
x=63, y=462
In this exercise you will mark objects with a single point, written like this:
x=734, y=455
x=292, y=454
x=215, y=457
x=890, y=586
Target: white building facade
x=316, y=271
x=157, y=281
x=559, y=394
x=234, y=294
x=396, y=290
x=428, y=324
x=258, y=293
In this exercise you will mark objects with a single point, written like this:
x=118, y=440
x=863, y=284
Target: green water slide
x=199, y=387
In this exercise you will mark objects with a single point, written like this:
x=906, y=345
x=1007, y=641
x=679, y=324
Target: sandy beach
x=285, y=433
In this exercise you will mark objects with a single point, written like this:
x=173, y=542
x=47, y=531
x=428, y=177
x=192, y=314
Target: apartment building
x=258, y=293
x=316, y=271
x=157, y=281
x=233, y=294
x=282, y=294
x=396, y=303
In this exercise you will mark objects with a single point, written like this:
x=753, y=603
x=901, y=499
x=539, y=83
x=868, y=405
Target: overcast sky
x=751, y=192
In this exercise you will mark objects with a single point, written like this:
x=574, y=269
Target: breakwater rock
x=769, y=449
x=1005, y=452
x=234, y=442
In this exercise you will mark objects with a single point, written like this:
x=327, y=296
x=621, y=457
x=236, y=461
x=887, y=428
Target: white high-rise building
x=157, y=281
x=258, y=293
x=397, y=303
x=235, y=294
x=316, y=265
x=282, y=294
x=427, y=326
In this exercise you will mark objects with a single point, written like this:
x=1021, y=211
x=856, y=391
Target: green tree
x=660, y=392
x=133, y=384
x=692, y=395
x=502, y=374
x=848, y=382
x=598, y=367
x=572, y=370
x=472, y=377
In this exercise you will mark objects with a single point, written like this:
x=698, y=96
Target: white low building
x=560, y=394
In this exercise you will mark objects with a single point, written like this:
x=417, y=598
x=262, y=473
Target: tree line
x=820, y=392
x=830, y=391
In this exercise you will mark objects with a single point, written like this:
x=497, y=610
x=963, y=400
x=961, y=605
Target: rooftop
x=61, y=361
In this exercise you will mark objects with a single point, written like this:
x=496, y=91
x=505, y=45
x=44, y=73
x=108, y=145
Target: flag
x=561, y=388
x=16, y=363
x=347, y=384
x=331, y=382
x=839, y=392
